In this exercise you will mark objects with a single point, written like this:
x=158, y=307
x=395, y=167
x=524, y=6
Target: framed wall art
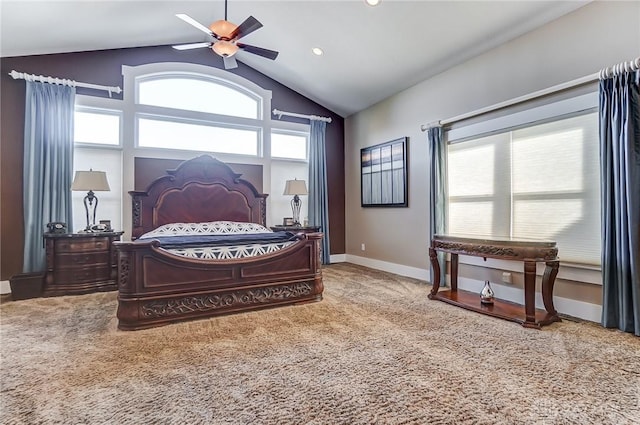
x=383, y=174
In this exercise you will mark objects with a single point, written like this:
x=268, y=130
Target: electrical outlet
x=506, y=277
x=362, y=247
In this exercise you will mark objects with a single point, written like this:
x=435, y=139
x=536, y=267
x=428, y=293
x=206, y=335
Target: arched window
x=198, y=93
x=205, y=112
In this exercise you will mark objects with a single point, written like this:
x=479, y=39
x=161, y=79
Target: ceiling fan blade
x=247, y=27
x=269, y=54
x=189, y=20
x=192, y=45
x=230, y=62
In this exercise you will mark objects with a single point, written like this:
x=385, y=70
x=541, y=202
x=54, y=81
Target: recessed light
x=372, y=2
x=317, y=51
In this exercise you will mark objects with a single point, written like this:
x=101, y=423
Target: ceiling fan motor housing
x=223, y=29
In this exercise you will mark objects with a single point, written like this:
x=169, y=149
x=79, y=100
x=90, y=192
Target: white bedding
x=217, y=228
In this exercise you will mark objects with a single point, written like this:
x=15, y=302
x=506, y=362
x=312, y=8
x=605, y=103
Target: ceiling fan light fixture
x=225, y=36
x=372, y=2
x=223, y=28
x=225, y=48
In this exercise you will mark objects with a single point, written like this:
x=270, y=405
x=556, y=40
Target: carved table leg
x=435, y=265
x=454, y=272
x=548, y=280
x=530, y=293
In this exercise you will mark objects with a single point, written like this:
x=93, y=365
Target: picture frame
x=288, y=221
x=383, y=174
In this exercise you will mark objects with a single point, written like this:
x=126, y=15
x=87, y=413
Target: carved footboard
x=157, y=288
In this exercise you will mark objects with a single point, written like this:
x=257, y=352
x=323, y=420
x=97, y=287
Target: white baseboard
x=567, y=306
x=414, y=272
x=338, y=258
x=5, y=287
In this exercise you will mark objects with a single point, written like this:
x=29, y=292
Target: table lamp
x=296, y=188
x=90, y=181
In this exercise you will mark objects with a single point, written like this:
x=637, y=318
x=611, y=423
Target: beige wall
x=581, y=43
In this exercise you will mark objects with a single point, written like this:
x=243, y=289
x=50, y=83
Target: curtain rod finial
x=425, y=127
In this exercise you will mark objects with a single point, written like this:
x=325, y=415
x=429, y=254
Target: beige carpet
x=375, y=350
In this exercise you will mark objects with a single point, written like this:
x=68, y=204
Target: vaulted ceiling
x=370, y=53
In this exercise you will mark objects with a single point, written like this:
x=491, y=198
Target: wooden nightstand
x=79, y=263
x=296, y=229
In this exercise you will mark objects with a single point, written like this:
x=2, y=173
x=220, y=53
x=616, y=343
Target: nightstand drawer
x=66, y=261
x=80, y=245
x=88, y=274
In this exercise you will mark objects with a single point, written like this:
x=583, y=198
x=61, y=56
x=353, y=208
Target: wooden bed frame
x=156, y=287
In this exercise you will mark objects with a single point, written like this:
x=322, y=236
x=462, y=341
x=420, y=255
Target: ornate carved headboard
x=199, y=190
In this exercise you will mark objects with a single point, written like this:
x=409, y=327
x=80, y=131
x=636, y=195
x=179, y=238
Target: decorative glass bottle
x=487, y=294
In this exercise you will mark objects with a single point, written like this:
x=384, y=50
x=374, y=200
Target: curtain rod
x=53, y=80
x=604, y=73
x=514, y=101
x=629, y=66
x=293, y=114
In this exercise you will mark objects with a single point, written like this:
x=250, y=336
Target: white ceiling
x=370, y=52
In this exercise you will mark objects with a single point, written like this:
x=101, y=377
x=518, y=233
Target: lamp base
x=89, y=205
x=296, y=203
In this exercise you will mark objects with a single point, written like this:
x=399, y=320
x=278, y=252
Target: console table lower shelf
x=500, y=308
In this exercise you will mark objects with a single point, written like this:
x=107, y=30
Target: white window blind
x=538, y=182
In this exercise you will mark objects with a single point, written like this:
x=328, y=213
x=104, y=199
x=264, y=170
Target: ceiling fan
x=225, y=36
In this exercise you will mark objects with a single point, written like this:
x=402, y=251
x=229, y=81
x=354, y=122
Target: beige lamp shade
x=295, y=187
x=90, y=180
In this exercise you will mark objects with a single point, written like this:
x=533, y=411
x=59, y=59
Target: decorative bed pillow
x=209, y=228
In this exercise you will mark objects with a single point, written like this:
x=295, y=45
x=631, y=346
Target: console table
x=528, y=251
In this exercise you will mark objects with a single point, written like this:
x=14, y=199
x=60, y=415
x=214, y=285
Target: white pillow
x=209, y=228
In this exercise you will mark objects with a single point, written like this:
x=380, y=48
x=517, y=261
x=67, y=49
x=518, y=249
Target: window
x=197, y=136
x=171, y=110
x=289, y=151
x=98, y=129
x=198, y=94
x=97, y=126
x=204, y=113
x=110, y=202
x=289, y=145
x=537, y=182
